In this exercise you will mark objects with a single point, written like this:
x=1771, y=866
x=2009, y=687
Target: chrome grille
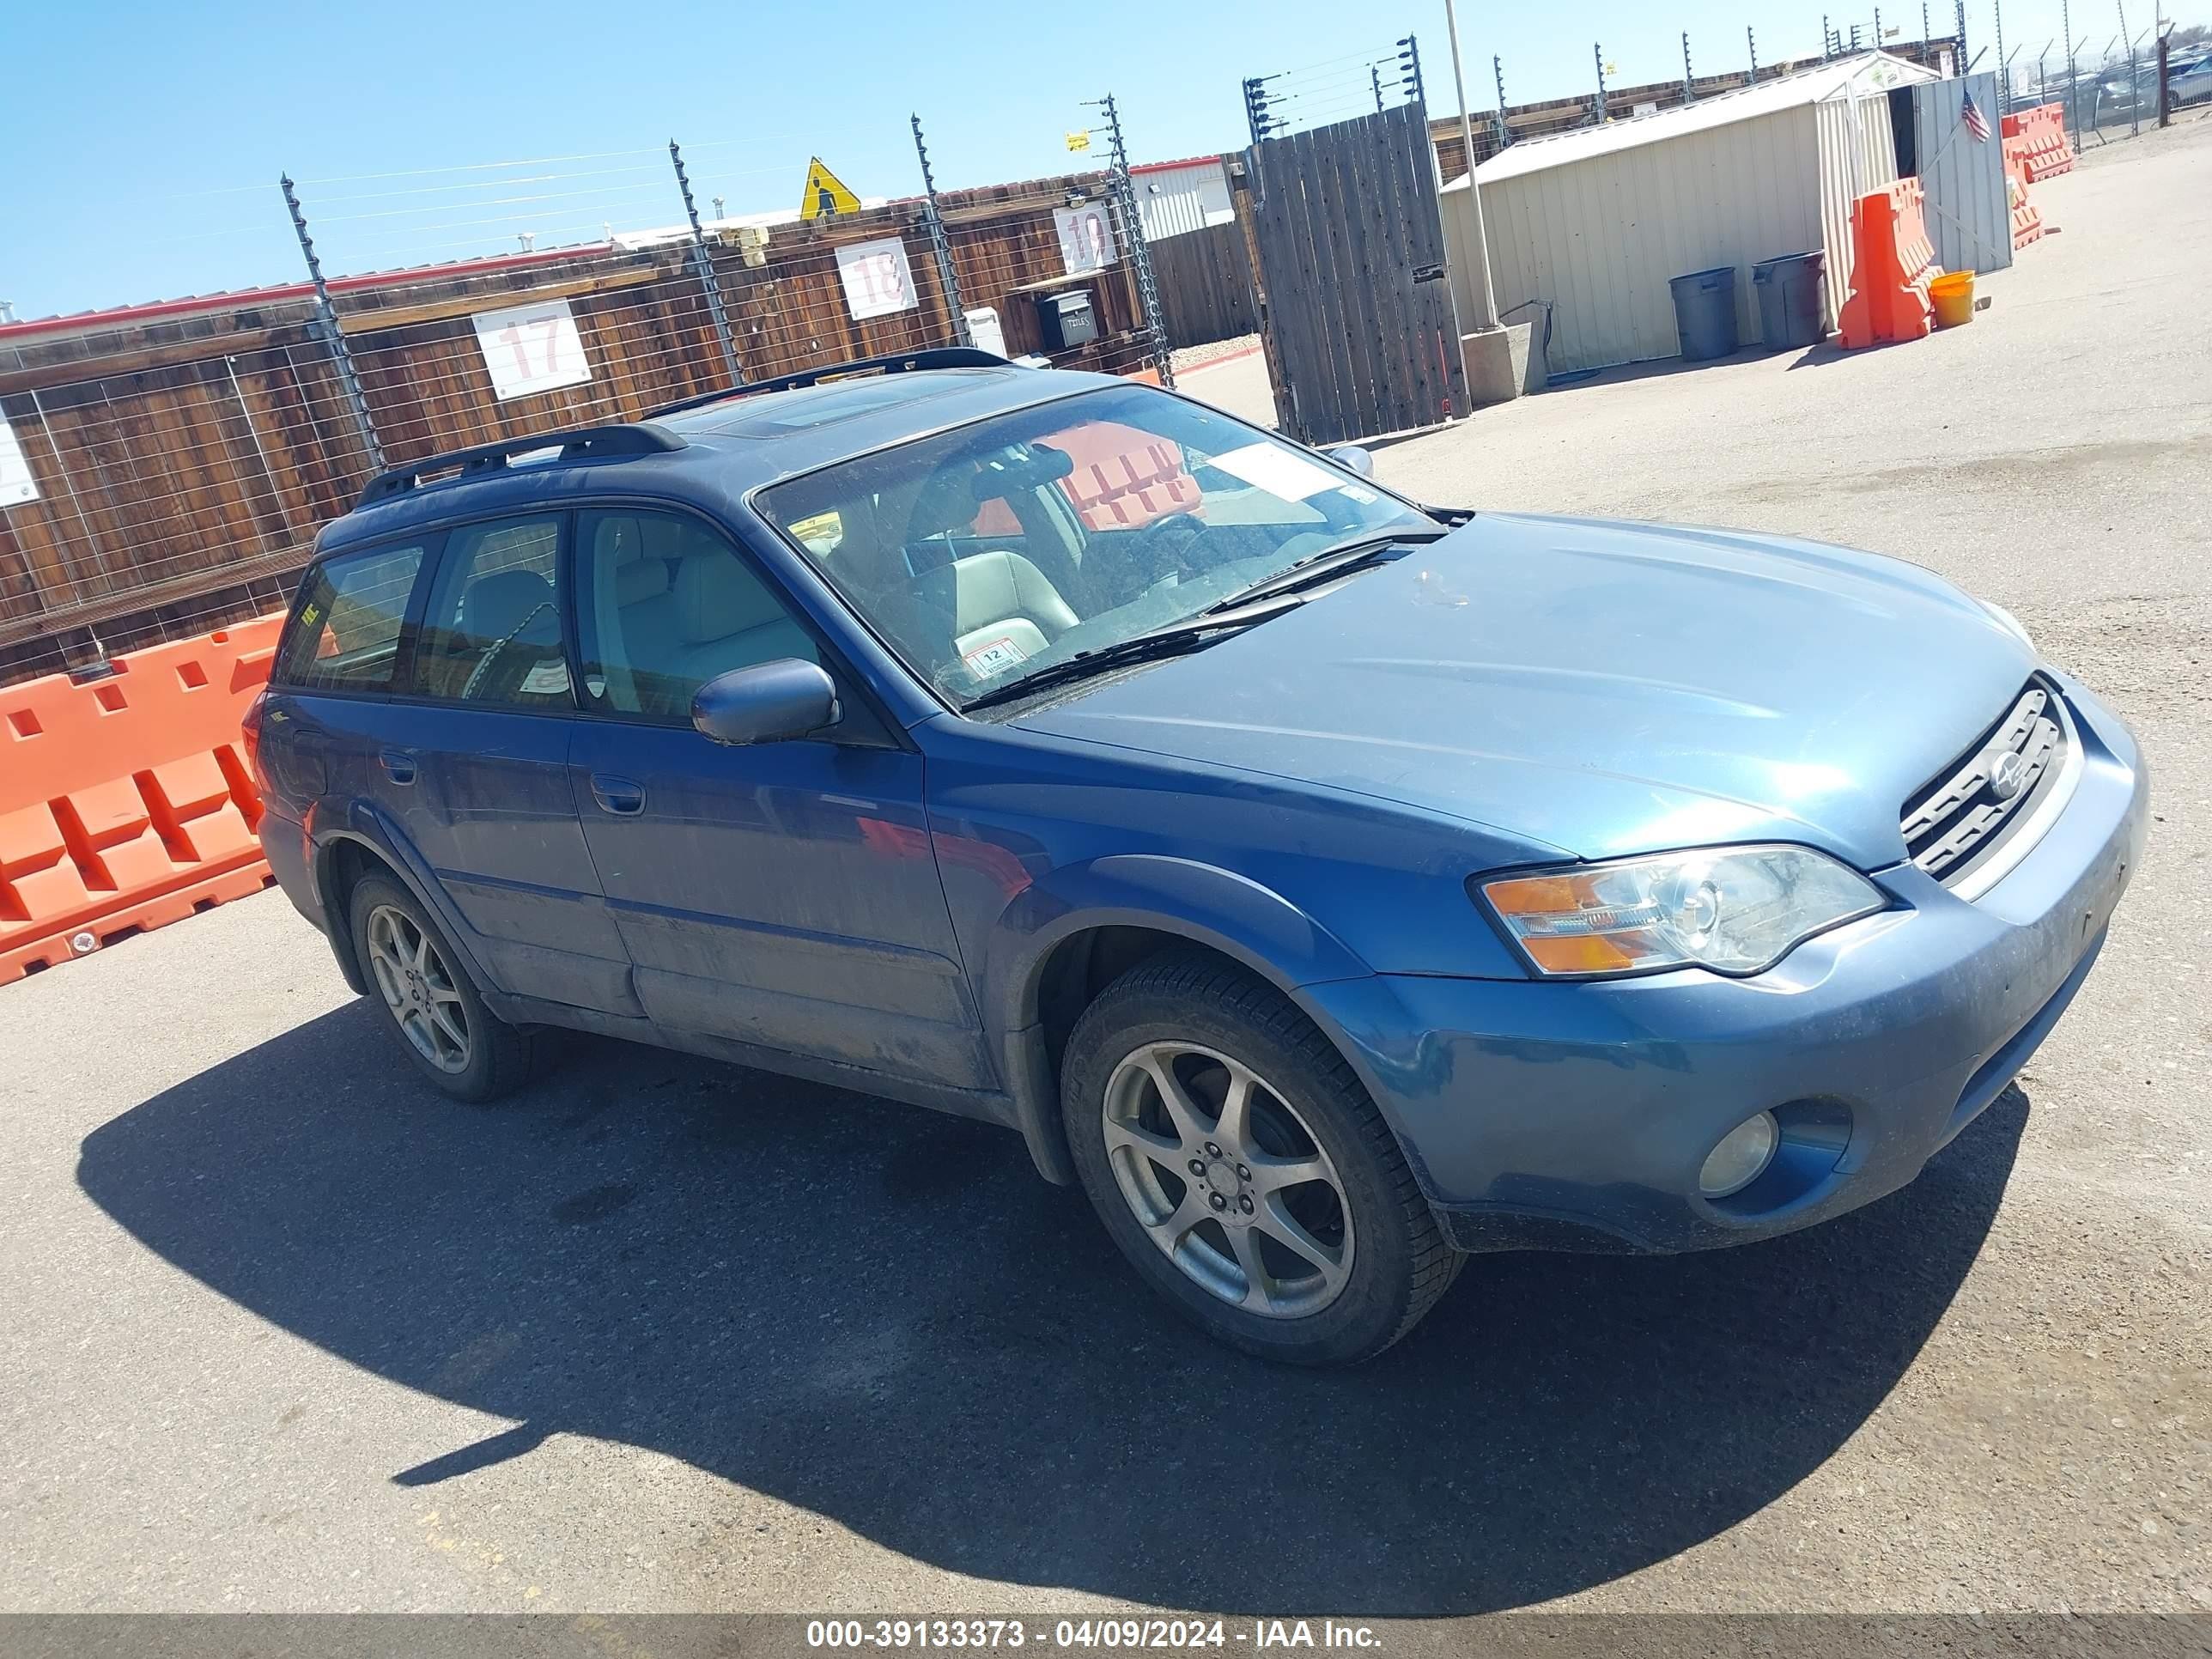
x=1960, y=821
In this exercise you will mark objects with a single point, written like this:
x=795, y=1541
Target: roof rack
x=585, y=443
x=899, y=364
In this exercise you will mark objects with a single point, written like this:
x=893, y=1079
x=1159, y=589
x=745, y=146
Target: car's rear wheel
x=431, y=1006
x=1237, y=1161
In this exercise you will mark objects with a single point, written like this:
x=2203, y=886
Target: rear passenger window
x=665, y=605
x=346, y=634
x=491, y=632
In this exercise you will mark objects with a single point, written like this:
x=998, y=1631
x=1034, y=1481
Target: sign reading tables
x=16, y=483
x=877, y=279
x=825, y=195
x=528, y=349
x=1086, y=240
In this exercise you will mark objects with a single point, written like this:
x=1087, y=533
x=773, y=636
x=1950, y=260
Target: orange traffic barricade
x=1892, y=262
x=125, y=803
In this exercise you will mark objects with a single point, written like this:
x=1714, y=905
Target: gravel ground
x=286, y=1331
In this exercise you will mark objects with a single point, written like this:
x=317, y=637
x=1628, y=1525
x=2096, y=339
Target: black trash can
x=1791, y=305
x=1705, y=312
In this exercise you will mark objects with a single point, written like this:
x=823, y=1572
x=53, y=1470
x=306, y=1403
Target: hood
x=1605, y=688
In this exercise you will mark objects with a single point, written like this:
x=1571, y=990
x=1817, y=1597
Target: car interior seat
x=510, y=616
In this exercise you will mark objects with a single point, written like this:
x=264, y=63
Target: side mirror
x=1352, y=458
x=769, y=702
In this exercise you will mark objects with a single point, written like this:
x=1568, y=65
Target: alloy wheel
x=419, y=988
x=1227, y=1179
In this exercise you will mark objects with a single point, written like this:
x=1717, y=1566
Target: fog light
x=1741, y=1158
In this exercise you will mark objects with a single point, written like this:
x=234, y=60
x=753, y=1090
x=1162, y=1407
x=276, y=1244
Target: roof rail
x=898, y=364
x=584, y=443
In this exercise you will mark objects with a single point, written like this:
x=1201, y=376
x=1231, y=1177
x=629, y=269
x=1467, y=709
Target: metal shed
x=1176, y=196
x=1596, y=221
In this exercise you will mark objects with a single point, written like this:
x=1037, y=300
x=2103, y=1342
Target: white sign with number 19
x=531, y=348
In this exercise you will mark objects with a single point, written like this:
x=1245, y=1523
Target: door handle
x=622, y=796
x=398, y=765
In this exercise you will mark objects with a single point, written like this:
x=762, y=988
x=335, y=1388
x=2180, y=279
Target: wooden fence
x=184, y=457
x=1204, y=279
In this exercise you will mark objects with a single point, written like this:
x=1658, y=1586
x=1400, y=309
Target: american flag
x=1976, y=123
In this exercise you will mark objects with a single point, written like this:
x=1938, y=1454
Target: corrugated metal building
x=1174, y=196
x=1968, y=213
x=1596, y=221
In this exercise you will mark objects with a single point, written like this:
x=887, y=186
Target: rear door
x=483, y=767
x=784, y=894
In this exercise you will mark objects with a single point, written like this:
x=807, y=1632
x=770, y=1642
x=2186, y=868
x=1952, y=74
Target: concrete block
x=1501, y=364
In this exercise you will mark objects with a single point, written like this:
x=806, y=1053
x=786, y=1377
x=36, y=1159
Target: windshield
x=989, y=553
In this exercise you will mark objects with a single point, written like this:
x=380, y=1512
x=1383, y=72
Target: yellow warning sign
x=826, y=195
x=1079, y=141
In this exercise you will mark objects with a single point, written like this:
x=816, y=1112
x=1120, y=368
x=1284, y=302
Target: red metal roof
x=1170, y=166
x=76, y=321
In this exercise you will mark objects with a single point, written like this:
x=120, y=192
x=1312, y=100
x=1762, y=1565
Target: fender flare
x=1203, y=903
x=365, y=826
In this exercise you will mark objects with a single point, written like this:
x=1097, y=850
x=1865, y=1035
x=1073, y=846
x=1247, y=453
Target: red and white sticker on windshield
x=994, y=658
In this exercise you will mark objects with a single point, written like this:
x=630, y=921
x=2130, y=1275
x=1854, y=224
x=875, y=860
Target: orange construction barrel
x=1952, y=296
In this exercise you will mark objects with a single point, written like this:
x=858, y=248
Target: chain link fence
x=168, y=466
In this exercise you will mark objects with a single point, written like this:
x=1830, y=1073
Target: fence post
x=2073, y=95
x=1965, y=58
x=1124, y=195
x=940, y=245
x=2165, y=106
x=1504, y=132
x=1603, y=112
x=1409, y=54
x=1689, y=81
x=705, y=263
x=326, y=320
x=2004, y=63
x=1752, y=41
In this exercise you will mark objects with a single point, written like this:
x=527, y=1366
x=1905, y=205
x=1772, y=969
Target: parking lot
x=289, y=1332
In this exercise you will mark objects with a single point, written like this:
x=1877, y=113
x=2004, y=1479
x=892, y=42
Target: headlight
x=1735, y=909
x=2012, y=624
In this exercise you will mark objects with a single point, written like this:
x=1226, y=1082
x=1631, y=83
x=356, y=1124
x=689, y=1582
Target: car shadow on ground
x=882, y=1315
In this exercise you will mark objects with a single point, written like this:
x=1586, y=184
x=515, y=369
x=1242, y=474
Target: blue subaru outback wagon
x=1331, y=885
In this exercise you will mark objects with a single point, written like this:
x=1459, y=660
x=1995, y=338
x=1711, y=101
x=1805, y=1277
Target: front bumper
x=1578, y=1115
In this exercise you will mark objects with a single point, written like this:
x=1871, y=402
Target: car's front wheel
x=1237, y=1161
x=432, y=1006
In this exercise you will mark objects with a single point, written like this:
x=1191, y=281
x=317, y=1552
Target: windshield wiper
x=1187, y=635
x=1314, y=567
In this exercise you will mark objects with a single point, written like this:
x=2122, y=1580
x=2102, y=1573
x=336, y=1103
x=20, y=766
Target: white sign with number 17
x=528, y=349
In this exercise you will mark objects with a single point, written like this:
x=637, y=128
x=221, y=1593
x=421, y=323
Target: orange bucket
x=1952, y=296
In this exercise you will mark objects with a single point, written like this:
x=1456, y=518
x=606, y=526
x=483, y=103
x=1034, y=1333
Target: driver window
x=668, y=603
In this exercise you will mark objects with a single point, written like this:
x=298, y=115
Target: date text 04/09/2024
x=1133, y=1634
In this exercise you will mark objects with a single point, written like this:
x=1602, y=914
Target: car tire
x=1208, y=1026
x=430, y=1006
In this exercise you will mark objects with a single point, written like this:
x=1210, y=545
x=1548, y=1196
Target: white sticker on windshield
x=1355, y=493
x=1278, y=471
x=995, y=657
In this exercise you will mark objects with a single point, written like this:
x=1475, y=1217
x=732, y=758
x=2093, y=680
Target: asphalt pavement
x=286, y=1331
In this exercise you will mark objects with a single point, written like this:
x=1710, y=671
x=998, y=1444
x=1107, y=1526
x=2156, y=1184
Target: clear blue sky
x=143, y=143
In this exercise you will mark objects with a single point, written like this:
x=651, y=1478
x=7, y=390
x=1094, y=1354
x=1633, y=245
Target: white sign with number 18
x=876, y=277
x=531, y=348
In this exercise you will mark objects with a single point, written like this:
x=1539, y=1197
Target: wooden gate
x=1348, y=250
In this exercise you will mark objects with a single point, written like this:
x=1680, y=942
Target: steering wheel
x=1155, y=554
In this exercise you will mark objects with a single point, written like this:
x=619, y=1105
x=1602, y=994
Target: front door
x=783, y=895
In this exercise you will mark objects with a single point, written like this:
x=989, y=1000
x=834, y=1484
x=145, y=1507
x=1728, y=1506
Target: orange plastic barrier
x=1892, y=262
x=2027, y=222
x=2041, y=135
x=125, y=803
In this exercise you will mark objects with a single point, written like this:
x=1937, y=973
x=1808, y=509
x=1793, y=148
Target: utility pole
x=940, y=245
x=706, y=269
x=326, y=318
x=1133, y=243
x=1485, y=305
